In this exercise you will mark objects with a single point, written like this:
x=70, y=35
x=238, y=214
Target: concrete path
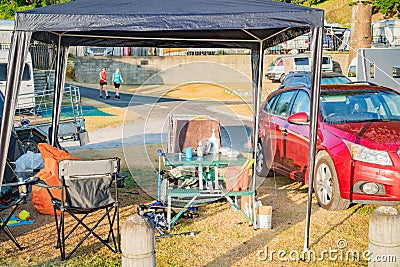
x=153, y=129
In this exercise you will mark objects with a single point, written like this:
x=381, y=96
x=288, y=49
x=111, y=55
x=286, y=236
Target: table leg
x=200, y=171
x=209, y=184
x=176, y=217
x=169, y=212
x=216, y=185
x=236, y=207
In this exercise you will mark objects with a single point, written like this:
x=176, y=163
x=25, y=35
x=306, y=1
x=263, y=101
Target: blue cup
x=189, y=153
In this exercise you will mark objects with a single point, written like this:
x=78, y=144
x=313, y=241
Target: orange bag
x=237, y=177
x=49, y=174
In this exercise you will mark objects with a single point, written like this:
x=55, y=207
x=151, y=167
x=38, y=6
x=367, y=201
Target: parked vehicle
x=27, y=87
x=376, y=65
x=98, y=51
x=358, y=142
x=303, y=78
x=33, y=128
x=283, y=65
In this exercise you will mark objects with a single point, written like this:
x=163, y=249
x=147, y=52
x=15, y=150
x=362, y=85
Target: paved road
x=153, y=129
x=126, y=99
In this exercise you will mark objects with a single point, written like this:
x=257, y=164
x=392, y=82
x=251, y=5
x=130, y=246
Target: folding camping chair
x=12, y=196
x=87, y=186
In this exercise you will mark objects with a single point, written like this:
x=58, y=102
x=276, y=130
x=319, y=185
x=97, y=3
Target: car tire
x=326, y=186
x=261, y=168
x=30, y=142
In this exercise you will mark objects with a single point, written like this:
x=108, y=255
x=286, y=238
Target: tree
x=360, y=27
x=8, y=8
x=388, y=7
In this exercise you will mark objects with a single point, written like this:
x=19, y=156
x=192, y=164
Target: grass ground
x=223, y=237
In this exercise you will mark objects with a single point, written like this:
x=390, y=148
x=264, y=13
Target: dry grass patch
x=239, y=109
x=203, y=90
x=223, y=237
x=119, y=115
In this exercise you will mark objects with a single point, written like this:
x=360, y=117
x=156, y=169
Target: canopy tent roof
x=166, y=23
x=253, y=24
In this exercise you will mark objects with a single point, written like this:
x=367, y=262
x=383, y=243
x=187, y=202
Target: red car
x=358, y=142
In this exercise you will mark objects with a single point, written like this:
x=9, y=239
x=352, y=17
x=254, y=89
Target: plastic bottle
x=200, y=149
x=22, y=187
x=214, y=142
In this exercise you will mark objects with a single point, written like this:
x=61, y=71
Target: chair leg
x=58, y=245
x=4, y=227
x=10, y=235
x=91, y=231
x=111, y=234
x=118, y=234
x=62, y=238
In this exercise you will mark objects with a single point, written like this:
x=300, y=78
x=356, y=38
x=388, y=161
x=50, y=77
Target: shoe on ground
x=118, y=97
x=101, y=96
x=107, y=96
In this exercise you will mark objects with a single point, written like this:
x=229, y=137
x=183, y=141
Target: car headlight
x=362, y=153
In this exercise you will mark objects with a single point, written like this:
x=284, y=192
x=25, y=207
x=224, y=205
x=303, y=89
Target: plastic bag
x=29, y=161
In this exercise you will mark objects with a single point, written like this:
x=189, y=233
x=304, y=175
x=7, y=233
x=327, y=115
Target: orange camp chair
x=49, y=174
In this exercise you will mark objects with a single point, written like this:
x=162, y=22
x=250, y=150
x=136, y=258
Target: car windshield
x=335, y=80
x=338, y=107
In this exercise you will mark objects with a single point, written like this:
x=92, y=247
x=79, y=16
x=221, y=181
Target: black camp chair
x=12, y=193
x=87, y=186
x=11, y=197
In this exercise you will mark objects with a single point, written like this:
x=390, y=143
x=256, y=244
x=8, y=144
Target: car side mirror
x=299, y=118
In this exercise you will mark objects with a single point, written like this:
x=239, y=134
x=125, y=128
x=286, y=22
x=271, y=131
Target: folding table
x=206, y=189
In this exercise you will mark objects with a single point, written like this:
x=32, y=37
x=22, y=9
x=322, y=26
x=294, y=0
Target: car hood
x=383, y=134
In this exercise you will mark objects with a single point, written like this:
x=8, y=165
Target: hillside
x=339, y=11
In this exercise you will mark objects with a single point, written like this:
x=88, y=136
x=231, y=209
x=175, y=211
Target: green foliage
x=312, y=2
x=388, y=7
x=9, y=8
x=297, y=2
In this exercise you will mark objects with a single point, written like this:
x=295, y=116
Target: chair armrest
x=43, y=184
x=29, y=181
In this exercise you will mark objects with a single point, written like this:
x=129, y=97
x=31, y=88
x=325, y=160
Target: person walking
x=117, y=80
x=103, y=82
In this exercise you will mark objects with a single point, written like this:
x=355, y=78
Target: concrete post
x=138, y=243
x=384, y=237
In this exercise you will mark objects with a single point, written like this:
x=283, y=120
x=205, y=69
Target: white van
x=26, y=96
x=380, y=66
x=282, y=65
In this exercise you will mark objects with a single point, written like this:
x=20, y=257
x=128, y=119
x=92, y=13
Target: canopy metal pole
x=16, y=59
x=62, y=55
x=316, y=59
x=257, y=59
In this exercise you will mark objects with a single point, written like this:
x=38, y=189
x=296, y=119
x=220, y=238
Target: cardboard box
x=245, y=205
x=264, y=217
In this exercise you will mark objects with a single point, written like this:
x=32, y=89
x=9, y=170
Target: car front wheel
x=326, y=184
x=261, y=168
x=30, y=142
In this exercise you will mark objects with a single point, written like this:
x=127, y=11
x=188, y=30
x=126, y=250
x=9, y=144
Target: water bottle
x=200, y=149
x=22, y=188
x=214, y=143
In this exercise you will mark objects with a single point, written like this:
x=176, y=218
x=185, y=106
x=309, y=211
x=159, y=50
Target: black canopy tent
x=253, y=24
